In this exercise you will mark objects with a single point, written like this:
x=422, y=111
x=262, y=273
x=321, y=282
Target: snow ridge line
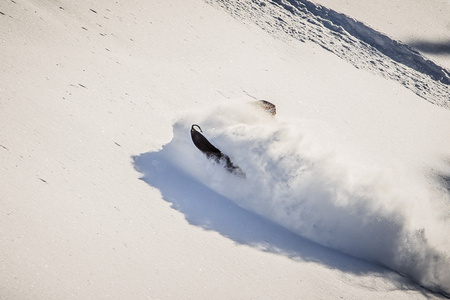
x=349, y=39
x=397, y=51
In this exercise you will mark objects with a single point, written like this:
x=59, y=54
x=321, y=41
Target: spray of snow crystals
x=379, y=213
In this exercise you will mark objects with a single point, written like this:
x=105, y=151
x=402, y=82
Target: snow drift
x=349, y=39
x=381, y=213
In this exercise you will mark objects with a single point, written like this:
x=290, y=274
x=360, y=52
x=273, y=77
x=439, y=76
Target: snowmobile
x=213, y=153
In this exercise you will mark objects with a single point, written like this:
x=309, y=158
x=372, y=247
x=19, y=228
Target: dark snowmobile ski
x=215, y=154
x=212, y=152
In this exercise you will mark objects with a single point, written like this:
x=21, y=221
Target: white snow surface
x=104, y=196
x=424, y=25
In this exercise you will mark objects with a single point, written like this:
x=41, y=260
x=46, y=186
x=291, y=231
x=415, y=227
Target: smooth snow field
x=343, y=194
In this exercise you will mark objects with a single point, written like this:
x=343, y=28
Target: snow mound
x=316, y=189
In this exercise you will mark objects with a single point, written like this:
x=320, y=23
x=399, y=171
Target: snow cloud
x=318, y=190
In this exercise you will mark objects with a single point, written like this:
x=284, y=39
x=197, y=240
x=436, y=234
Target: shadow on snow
x=433, y=47
x=205, y=208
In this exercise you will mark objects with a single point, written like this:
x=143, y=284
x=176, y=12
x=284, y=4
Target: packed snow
x=343, y=194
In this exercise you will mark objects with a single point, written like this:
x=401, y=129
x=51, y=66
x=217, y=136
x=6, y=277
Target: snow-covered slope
x=88, y=86
x=349, y=39
x=423, y=25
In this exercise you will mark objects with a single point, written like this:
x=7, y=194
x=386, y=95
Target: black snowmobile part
x=212, y=152
x=267, y=106
x=202, y=143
